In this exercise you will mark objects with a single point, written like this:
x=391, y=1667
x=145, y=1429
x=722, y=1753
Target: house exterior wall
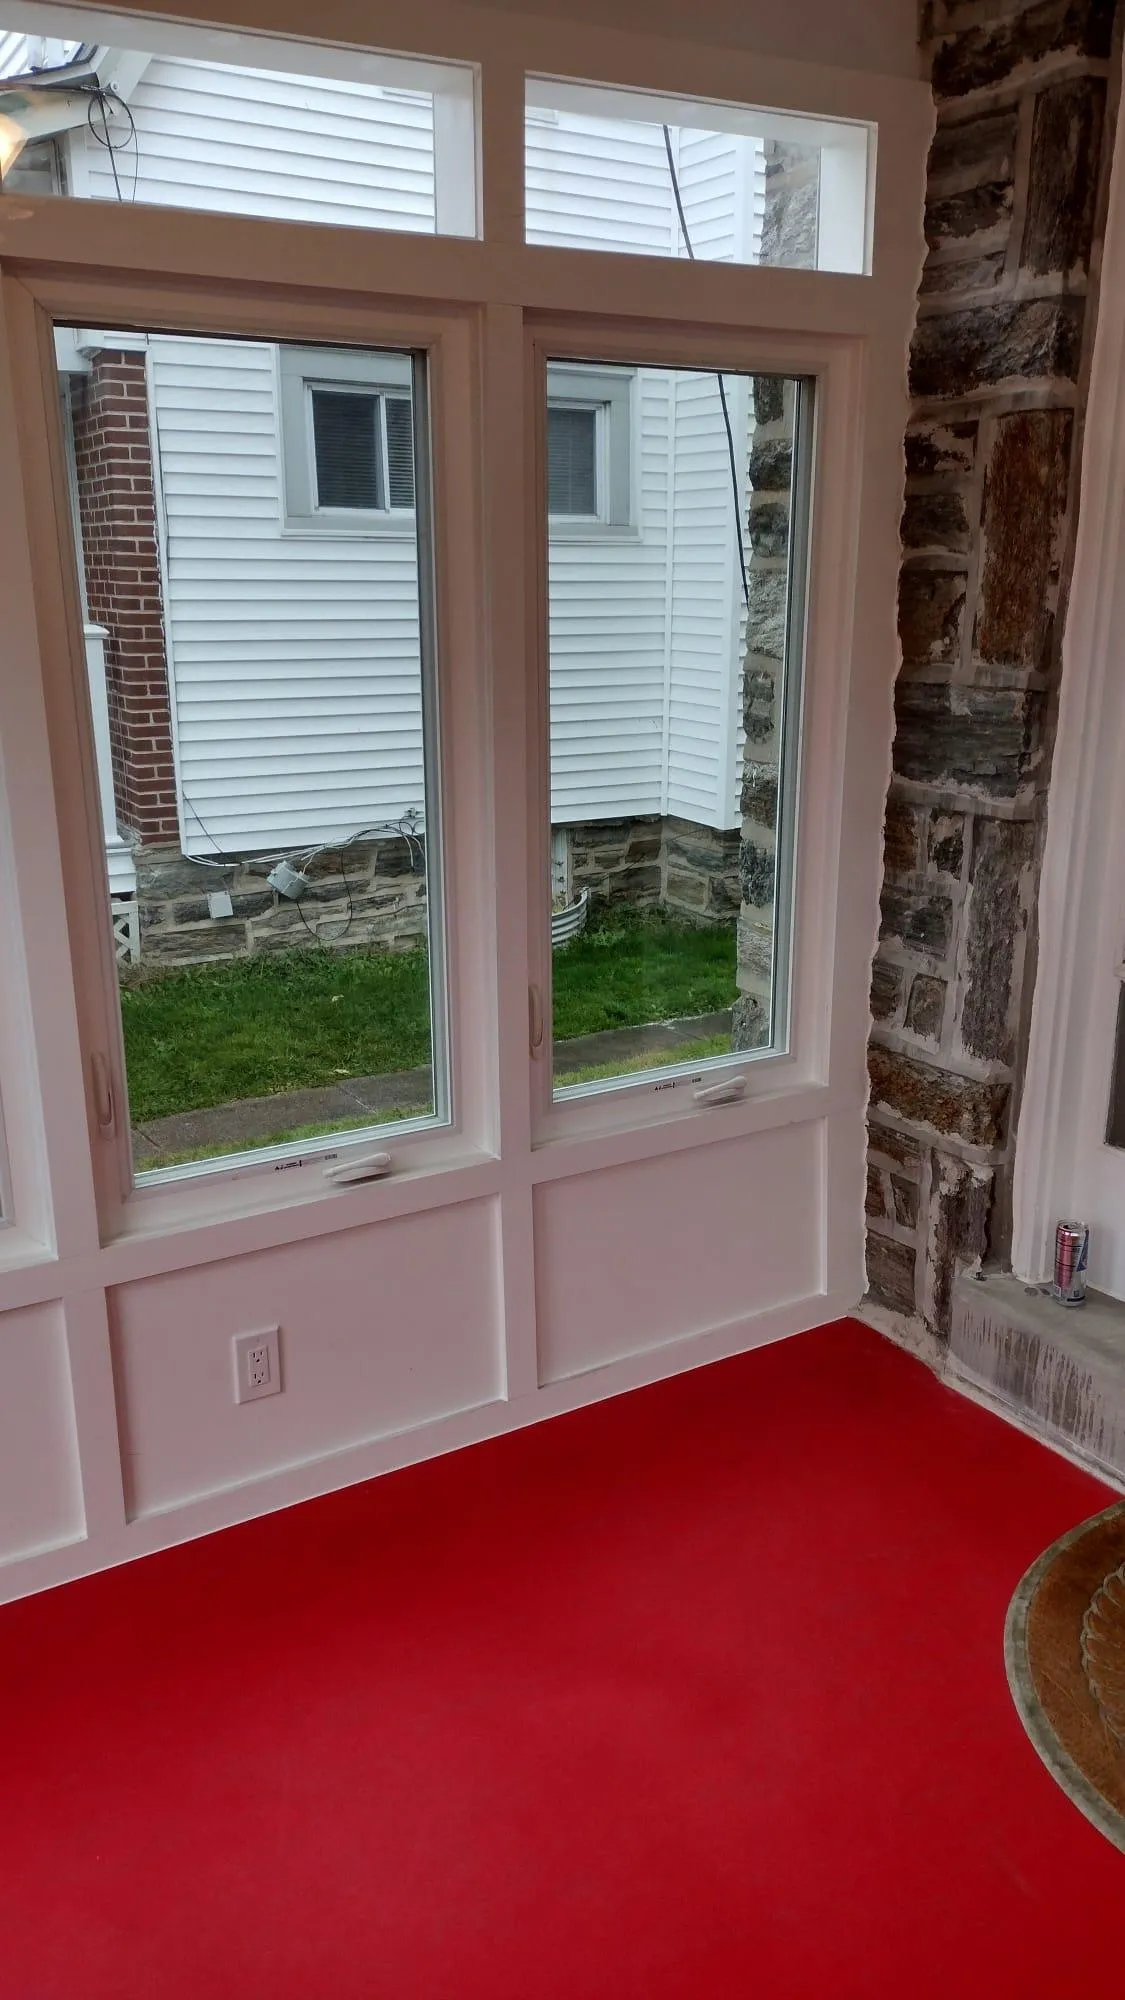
x=998, y=371
x=117, y=513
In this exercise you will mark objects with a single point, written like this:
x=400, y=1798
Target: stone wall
x=767, y=580
x=381, y=902
x=117, y=511
x=654, y=862
x=1005, y=324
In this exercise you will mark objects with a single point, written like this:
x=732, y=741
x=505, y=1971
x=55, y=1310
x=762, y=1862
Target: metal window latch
x=102, y=1080
x=731, y=1090
x=369, y=1167
x=534, y=1019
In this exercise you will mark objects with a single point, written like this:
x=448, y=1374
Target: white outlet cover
x=257, y=1364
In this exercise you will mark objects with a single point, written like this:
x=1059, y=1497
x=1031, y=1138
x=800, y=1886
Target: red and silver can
x=1072, y=1248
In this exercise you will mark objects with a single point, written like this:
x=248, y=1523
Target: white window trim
x=299, y=371
x=1063, y=1167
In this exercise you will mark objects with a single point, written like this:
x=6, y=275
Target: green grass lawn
x=211, y=1034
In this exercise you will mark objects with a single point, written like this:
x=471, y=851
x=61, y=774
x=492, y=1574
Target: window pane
x=345, y=436
x=283, y=129
x=624, y=170
x=400, y=452
x=674, y=685
x=572, y=461
x=260, y=710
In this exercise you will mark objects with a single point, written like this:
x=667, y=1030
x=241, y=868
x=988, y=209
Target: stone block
x=898, y=1147
x=935, y=521
x=875, y=1201
x=947, y=842
x=931, y=606
x=756, y=869
x=984, y=740
x=1002, y=857
x=922, y=921
x=960, y=1200
x=886, y=989
x=968, y=1108
x=1028, y=340
x=769, y=526
x=937, y=448
x=789, y=225
x=162, y=874
x=629, y=885
x=925, y=1009
x=757, y=696
x=769, y=400
x=1025, y=495
x=902, y=849
x=945, y=277
x=984, y=55
x=904, y=1195
x=399, y=857
x=771, y=464
x=755, y=952
x=766, y=619
x=168, y=946
x=985, y=145
x=643, y=846
x=974, y=211
x=750, y=1023
x=688, y=890
x=759, y=793
x=891, y=1272
x=1062, y=187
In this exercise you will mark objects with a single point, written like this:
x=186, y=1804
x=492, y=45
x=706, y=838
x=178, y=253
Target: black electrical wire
x=100, y=100
x=731, y=454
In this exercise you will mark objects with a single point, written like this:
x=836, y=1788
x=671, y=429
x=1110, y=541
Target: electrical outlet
x=257, y=1364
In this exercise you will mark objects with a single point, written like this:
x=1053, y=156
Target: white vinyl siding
x=295, y=662
x=253, y=142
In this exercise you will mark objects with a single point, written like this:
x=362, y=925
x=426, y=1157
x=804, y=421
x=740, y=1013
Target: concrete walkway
x=223, y=1128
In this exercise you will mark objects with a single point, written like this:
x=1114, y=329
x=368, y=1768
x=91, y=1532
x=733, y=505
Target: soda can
x=1072, y=1248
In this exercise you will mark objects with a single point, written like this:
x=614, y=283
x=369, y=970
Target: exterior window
x=674, y=676
x=347, y=441
x=265, y=739
x=589, y=449
x=572, y=462
x=363, y=451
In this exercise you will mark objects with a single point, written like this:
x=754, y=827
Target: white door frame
x=1062, y=1165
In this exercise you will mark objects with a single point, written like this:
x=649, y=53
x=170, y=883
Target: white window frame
x=300, y=370
x=91, y=1253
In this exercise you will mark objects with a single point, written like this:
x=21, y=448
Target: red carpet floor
x=699, y=1692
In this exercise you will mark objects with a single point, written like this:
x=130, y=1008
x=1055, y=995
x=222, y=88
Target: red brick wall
x=117, y=508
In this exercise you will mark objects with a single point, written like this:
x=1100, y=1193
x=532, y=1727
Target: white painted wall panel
x=40, y=1487
x=655, y=1263
x=372, y=1343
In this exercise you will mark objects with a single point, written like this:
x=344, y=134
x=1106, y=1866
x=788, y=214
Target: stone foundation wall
x=655, y=862
x=387, y=904
x=1015, y=195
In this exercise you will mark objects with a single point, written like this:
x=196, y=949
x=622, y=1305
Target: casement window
x=346, y=441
